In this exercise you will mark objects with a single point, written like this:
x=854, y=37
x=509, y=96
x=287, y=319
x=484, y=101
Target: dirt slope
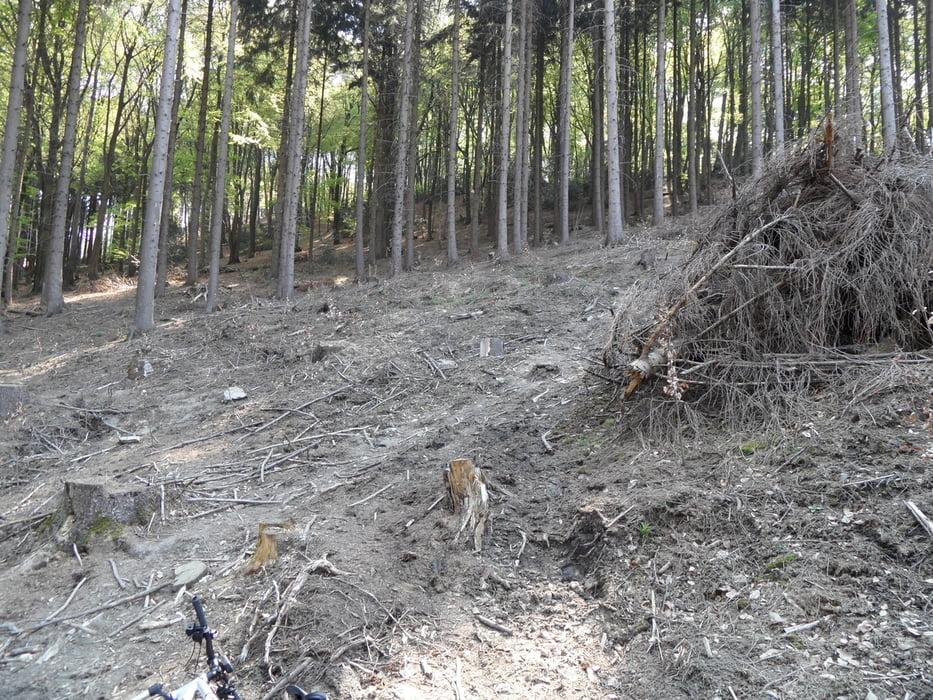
x=733, y=566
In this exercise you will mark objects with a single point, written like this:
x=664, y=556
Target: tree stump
x=92, y=508
x=466, y=488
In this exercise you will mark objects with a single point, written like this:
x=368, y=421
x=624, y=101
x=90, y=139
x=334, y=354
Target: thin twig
x=371, y=496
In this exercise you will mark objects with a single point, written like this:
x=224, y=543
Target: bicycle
x=216, y=683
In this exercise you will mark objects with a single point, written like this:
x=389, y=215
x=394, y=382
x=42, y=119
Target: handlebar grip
x=199, y=611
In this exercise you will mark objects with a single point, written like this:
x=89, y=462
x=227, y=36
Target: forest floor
x=719, y=565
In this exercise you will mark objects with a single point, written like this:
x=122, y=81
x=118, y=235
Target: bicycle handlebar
x=218, y=666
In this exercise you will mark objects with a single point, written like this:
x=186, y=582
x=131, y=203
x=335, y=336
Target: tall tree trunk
x=888, y=118
x=599, y=138
x=505, y=136
x=313, y=213
x=563, y=126
x=660, y=109
x=452, y=254
x=929, y=75
x=692, y=109
x=615, y=233
x=165, y=225
x=777, y=62
x=476, y=185
x=755, y=60
x=149, y=249
x=54, y=266
x=197, y=186
x=403, y=132
x=220, y=172
x=538, y=135
x=361, y=155
x=520, y=179
x=854, y=118
x=294, y=140
x=14, y=109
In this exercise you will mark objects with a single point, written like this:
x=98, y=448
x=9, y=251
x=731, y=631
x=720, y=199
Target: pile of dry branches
x=822, y=264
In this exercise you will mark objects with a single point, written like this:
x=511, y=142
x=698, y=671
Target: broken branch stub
x=466, y=488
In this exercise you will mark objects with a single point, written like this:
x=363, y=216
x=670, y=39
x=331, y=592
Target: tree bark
x=292, y=165
x=660, y=108
x=563, y=126
x=220, y=173
x=167, y=194
x=195, y=218
x=361, y=155
x=505, y=136
x=12, y=125
x=403, y=134
x=453, y=255
x=888, y=118
x=149, y=249
x=615, y=233
x=52, y=296
x=777, y=62
x=755, y=61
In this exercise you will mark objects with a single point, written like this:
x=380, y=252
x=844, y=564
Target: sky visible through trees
x=543, y=130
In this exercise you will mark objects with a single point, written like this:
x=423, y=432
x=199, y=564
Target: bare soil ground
x=782, y=565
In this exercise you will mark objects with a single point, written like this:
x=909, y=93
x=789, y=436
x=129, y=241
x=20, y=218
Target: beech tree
x=55, y=254
x=149, y=248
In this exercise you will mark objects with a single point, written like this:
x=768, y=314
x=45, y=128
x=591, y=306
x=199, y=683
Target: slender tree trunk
x=692, y=108
x=505, y=136
x=888, y=118
x=853, y=101
x=403, y=132
x=452, y=254
x=660, y=109
x=563, y=126
x=167, y=195
x=313, y=213
x=52, y=296
x=195, y=217
x=149, y=249
x=929, y=74
x=361, y=156
x=12, y=125
x=519, y=205
x=599, y=137
x=777, y=62
x=755, y=60
x=294, y=139
x=538, y=147
x=615, y=233
x=476, y=186
x=220, y=172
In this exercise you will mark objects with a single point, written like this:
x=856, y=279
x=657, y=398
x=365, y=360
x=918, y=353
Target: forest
x=143, y=138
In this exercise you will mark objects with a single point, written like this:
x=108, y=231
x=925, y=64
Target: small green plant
x=644, y=530
x=781, y=562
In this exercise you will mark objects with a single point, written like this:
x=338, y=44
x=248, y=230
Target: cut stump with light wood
x=469, y=498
